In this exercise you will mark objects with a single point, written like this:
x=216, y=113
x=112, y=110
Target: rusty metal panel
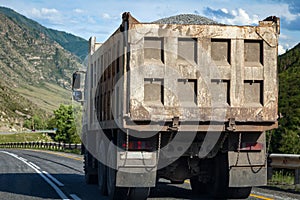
x=253, y=50
x=253, y=92
x=187, y=92
x=153, y=48
x=153, y=90
x=220, y=50
x=187, y=49
x=197, y=56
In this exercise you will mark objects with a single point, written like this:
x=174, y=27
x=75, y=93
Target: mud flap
x=136, y=169
x=247, y=168
x=247, y=176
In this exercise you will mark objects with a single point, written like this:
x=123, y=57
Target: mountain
x=36, y=65
x=289, y=87
x=76, y=45
x=286, y=139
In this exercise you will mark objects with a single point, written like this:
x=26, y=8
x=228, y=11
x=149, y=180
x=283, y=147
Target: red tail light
x=138, y=145
x=251, y=146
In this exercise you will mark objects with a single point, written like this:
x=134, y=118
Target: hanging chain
x=239, y=149
x=268, y=148
x=127, y=146
x=224, y=138
x=127, y=140
x=159, y=146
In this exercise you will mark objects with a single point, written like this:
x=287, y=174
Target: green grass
x=25, y=137
x=48, y=97
x=284, y=179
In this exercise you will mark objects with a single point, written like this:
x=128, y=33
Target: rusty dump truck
x=179, y=101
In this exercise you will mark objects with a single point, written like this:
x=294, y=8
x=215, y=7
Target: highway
x=36, y=174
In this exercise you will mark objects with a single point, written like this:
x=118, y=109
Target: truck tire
x=139, y=193
x=239, y=192
x=114, y=192
x=102, y=169
x=197, y=186
x=102, y=178
x=218, y=188
x=88, y=165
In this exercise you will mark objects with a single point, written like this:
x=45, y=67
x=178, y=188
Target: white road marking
x=75, y=197
x=34, y=165
x=60, y=184
x=21, y=158
x=58, y=191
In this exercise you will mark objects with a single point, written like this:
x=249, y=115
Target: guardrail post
x=297, y=176
x=269, y=172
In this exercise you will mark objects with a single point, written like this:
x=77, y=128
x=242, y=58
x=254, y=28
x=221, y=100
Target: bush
x=64, y=122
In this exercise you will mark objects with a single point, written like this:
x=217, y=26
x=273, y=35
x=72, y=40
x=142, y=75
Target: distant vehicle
x=179, y=101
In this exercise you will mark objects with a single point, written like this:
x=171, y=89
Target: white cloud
x=79, y=11
x=285, y=12
x=44, y=12
x=234, y=17
x=106, y=16
x=283, y=36
x=91, y=20
x=52, y=15
x=281, y=50
x=225, y=10
x=241, y=17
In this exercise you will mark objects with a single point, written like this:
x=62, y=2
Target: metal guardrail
x=285, y=161
x=45, y=145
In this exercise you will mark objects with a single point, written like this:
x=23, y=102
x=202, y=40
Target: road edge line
x=57, y=189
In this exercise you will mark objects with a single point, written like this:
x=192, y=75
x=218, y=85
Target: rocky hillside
x=76, y=45
x=36, y=64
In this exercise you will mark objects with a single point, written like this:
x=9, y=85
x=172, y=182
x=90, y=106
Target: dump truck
x=182, y=98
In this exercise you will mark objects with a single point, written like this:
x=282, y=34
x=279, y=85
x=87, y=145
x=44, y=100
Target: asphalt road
x=29, y=174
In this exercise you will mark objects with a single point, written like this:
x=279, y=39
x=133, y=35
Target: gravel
x=186, y=19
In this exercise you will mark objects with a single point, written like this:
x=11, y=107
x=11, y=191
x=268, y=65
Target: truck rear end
x=211, y=91
x=181, y=99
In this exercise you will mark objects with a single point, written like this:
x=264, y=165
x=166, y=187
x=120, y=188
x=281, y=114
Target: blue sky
x=98, y=18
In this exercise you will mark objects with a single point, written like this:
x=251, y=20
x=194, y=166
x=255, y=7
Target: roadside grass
x=284, y=179
x=25, y=137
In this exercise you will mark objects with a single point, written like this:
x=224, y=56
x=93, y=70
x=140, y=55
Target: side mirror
x=78, y=86
x=76, y=81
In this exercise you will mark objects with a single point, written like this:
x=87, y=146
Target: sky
x=86, y=18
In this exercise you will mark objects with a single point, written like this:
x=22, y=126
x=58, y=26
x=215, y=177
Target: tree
x=285, y=139
x=290, y=142
x=35, y=123
x=65, y=124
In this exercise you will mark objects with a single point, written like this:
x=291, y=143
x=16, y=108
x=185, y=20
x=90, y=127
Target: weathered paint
x=248, y=67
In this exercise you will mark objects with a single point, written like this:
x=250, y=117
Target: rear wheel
x=197, y=186
x=102, y=170
x=90, y=178
x=219, y=188
x=114, y=192
x=139, y=193
x=239, y=192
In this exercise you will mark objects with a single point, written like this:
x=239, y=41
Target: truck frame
x=179, y=101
